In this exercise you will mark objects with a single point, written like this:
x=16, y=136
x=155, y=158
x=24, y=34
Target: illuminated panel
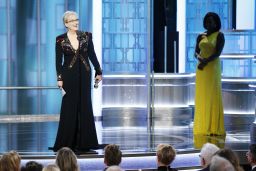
x=245, y=14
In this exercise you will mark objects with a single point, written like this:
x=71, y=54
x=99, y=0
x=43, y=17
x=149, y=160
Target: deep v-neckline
x=72, y=45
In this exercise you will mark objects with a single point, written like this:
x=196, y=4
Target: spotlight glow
x=124, y=85
x=144, y=106
x=174, y=75
x=238, y=80
x=155, y=76
x=170, y=106
x=123, y=106
x=124, y=76
x=236, y=56
x=238, y=112
x=252, y=85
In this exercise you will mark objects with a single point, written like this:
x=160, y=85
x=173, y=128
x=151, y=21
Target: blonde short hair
x=51, y=167
x=165, y=154
x=67, y=14
x=114, y=168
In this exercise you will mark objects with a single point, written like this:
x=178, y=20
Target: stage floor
x=138, y=144
x=36, y=137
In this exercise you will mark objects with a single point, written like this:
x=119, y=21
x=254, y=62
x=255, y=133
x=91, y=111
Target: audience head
x=10, y=161
x=66, y=160
x=112, y=155
x=231, y=157
x=51, y=167
x=220, y=164
x=207, y=152
x=251, y=154
x=114, y=168
x=165, y=154
x=32, y=166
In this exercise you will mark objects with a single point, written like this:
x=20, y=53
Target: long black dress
x=76, y=126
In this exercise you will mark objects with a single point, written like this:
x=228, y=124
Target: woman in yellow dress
x=209, y=117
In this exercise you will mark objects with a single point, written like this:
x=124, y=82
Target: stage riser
x=170, y=117
x=238, y=101
x=238, y=97
x=124, y=117
x=171, y=96
x=124, y=91
x=134, y=117
x=238, y=122
x=172, y=101
x=171, y=89
x=166, y=118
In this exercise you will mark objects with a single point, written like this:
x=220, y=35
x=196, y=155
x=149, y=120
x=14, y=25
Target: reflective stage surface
x=138, y=144
x=36, y=137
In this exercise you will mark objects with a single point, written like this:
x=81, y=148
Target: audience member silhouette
x=231, y=157
x=32, y=166
x=10, y=161
x=251, y=156
x=114, y=168
x=66, y=160
x=220, y=164
x=207, y=152
x=51, y=167
x=165, y=154
x=112, y=155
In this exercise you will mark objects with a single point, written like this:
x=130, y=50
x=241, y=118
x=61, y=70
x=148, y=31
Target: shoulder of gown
x=60, y=37
x=84, y=34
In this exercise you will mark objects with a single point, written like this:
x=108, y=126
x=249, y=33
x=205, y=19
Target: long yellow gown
x=209, y=117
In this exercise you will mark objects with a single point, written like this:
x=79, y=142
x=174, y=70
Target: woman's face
x=249, y=156
x=210, y=23
x=72, y=23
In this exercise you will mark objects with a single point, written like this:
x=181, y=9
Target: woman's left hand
x=98, y=77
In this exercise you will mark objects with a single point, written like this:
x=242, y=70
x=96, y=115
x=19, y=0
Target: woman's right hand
x=60, y=84
x=199, y=57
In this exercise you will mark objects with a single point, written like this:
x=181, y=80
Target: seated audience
x=220, y=164
x=231, y=157
x=10, y=161
x=32, y=166
x=66, y=160
x=165, y=154
x=51, y=167
x=112, y=155
x=251, y=156
x=207, y=152
x=114, y=168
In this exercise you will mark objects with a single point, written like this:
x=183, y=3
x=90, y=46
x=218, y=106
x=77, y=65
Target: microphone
x=96, y=83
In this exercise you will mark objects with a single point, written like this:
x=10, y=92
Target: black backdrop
x=165, y=14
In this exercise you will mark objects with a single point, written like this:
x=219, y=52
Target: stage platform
x=31, y=138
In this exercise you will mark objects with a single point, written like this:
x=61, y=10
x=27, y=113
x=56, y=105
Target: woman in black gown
x=74, y=49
